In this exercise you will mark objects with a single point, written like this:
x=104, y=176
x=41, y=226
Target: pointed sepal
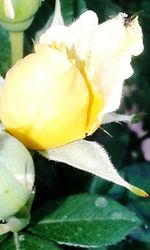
x=90, y=157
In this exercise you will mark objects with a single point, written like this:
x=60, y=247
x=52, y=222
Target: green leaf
x=3, y=238
x=104, y=8
x=140, y=173
x=80, y=6
x=86, y=221
x=142, y=208
x=25, y=241
x=67, y=10
x=5, y=53
x=72, y=9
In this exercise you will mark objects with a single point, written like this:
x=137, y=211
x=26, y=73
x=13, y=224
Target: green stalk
x=16, y=41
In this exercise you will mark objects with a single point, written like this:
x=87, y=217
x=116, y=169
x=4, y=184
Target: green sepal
x=20, y=220
x=17, y=27
x=12, y=194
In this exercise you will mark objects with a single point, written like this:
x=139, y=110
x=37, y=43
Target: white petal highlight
x=58, y=19
x=9, y=9
x=1, y=80
x=90, y=157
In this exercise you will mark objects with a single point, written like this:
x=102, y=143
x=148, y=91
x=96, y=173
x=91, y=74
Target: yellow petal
x=95, y=106
x=45, y=100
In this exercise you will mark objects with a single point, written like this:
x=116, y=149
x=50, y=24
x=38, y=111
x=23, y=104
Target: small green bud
x=17, y=15
x=135, y=118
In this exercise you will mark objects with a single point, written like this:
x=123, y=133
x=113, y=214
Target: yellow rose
x=61, y=92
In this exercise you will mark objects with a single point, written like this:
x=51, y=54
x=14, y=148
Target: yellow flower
x=61, y=92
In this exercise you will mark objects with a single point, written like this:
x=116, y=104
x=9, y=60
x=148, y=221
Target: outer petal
x=45, y=99
x=113, y=45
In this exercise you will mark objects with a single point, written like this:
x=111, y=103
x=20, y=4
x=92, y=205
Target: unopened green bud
x=16, y=176
x=17, y=15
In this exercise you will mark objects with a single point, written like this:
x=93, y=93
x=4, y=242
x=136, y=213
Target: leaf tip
x=139, y=192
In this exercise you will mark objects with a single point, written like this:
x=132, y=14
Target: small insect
x=129, y=19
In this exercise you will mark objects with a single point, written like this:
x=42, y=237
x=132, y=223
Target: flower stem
x=17, y=245
x=16, y=41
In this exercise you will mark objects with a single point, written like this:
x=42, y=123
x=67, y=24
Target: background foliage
x=73, y=209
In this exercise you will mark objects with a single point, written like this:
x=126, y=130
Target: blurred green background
x=129, y=147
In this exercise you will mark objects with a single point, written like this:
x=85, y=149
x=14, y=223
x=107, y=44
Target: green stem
x=16, y=240
x=16, y=41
